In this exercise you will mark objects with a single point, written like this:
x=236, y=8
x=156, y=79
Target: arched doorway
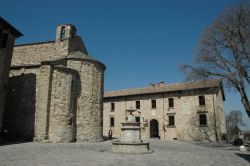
x=154, y=129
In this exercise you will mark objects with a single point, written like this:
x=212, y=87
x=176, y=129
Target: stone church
x=55, y=91
x=183, y=111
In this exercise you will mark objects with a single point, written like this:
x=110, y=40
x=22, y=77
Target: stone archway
x=154, y=128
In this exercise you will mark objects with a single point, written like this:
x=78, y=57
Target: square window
x=153, y=103
x=203, y=119
x=202, y=100
x=137, y=103
x=170, y=102
x=171, y=121
x=137, y=119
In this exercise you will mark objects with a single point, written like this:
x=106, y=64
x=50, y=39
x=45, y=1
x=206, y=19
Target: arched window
x=62, y=35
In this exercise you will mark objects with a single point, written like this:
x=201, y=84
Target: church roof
x=82, y=56
x=161, y=88
x=79, y=54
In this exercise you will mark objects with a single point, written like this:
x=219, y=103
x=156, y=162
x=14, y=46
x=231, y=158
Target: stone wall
x=185, y=111
x=55, y=112
x=90, y=102
x=62, y=114
x=5, y=61
x=70, y=102
x=32, y=54
x=19, y=115
x=66, y=101
x=43, y=103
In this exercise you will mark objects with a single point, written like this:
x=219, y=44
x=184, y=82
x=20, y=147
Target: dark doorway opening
x=154, y=129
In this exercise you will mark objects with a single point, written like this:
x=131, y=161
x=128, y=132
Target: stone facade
x=170, y=111
x=61, y=94
x=35, y=53
x=7, y=38
x=89, y=121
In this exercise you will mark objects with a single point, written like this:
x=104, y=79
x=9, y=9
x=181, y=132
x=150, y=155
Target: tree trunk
x=245, y=100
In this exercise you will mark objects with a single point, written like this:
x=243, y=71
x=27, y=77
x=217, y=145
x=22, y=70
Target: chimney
x=152, y=84
x=162, y=83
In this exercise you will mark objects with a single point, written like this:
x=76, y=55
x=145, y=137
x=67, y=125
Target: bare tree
x=234, y=121
x=224, y=51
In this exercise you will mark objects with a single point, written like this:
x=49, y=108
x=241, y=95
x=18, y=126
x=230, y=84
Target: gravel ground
x=90, y=154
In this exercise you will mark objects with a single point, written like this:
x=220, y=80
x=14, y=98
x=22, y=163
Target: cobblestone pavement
x=90, y=154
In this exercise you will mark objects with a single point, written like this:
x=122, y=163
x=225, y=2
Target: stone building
x=185, y=111
x=55, y=91
x=8, y=34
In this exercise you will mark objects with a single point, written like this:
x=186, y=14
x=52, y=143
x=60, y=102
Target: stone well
x=130, y=141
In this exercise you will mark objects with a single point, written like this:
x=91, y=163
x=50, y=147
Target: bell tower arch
x=65, y=31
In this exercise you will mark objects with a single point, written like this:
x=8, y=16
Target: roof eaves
x=167, y=88
x=12, y=28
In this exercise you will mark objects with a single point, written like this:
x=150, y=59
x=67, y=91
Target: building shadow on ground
x=4, y=142
x=244, y=156
x=105, y=138
x=217, y=145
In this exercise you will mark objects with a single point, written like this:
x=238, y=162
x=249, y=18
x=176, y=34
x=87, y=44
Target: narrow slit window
x=171, y=120
x=112, y=122
x=170, y=102
x=138, y=106
x=202, y=101
x=4, y=40
x=153, y=103
x=112, y=106
x=203, y=120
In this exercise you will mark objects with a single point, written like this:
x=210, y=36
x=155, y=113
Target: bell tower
x=65, y=31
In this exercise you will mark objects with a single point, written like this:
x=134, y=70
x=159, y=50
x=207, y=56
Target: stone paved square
x=167, y=153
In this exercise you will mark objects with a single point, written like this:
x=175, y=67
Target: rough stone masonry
x=55, y=91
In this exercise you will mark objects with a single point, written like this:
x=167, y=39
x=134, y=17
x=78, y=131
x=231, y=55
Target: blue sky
x=140, y=41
